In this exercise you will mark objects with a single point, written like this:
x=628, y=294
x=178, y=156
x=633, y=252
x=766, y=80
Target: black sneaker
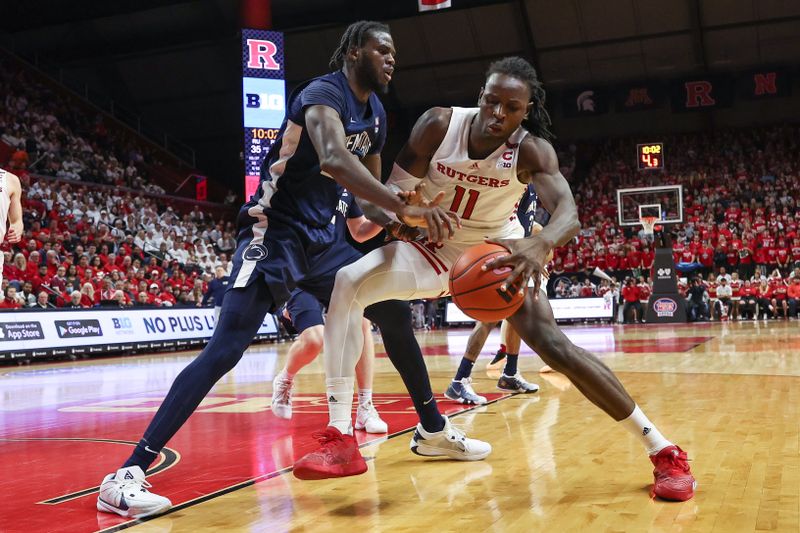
x=499, y=356
x=516, y=383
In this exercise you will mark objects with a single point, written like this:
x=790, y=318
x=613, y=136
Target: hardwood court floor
x=727, y=393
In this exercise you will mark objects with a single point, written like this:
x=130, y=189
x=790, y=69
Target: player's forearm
x=353, y=176
x=366, y=231
x=374, y=213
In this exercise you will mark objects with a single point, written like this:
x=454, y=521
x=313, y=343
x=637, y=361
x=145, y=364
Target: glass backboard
x=665, y=202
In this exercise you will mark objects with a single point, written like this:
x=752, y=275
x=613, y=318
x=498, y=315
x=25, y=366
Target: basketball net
x=649, y=223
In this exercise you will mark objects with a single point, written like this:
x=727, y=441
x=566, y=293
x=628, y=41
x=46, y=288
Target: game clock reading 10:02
x=650, y=156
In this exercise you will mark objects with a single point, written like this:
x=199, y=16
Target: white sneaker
x=449, y=442
x=282, y=396
x=125, y=493
x=368, y=419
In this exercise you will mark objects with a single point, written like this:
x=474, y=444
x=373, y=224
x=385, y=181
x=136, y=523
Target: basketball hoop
x=648, y=223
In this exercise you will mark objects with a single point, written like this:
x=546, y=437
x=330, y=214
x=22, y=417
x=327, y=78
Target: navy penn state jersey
x=292, y=185
x=340, y=253
x=527, y=209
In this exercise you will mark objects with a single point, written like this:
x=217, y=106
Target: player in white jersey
x=482, y=160
x=10, y=211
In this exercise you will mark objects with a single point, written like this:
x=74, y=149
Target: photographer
x=698, y=308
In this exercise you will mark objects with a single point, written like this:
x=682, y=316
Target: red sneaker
x=337, y=456
x=673, y=478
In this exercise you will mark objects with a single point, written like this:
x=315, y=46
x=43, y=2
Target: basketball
x=477, y=292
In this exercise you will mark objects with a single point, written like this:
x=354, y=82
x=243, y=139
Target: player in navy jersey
x=331, y=138
x=305, y=309
x=511, y=380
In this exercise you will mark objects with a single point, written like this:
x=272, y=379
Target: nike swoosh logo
x=429, y=401
x=147, y=449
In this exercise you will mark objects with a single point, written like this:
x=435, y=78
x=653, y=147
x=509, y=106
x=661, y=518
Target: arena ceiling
x=175, y=63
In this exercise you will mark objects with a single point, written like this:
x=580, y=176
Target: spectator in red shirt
x=10, y=300
x=705, y=256
x=779, y=301
x=16, y=271
x=644, y=291
x=89, y=297
x=587, y=290
x=783, y=257
x=747, y=306
x=630, y=294
x=167, y=296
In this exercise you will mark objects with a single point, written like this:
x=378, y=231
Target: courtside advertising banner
x=46, y=333
x=563, y=309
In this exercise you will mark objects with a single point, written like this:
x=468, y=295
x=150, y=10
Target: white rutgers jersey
x=483, y=192
x=5, y=203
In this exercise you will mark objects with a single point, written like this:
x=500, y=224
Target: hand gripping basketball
x=476, y=291
x=528, y=258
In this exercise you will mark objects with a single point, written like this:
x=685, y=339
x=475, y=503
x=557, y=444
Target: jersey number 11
x=471, y=201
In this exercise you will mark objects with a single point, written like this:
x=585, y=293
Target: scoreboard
x=650, y=156
x=263, y=98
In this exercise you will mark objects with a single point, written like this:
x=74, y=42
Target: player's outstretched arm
x=15, y=229
x=328, y=137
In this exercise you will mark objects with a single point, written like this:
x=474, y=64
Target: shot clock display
x=650, y=156
x=263, y=98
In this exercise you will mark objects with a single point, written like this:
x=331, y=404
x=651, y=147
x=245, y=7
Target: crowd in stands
x=741, y=218
x=50, y=135
x=87, y=244
x=86, y=247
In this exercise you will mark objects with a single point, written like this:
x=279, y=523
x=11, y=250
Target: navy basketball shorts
x=277, y=251
x=305, y=310
x=312, y=295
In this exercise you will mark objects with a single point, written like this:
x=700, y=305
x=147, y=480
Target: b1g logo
x=122, y=323
x=665, y=307
x=271, y=102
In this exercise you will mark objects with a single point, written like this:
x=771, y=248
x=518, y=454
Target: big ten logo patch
x=272, y=102
x=506, y=160
x=261, y=54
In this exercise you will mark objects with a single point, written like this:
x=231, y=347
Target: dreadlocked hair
x=355, y=35
x=539, y=121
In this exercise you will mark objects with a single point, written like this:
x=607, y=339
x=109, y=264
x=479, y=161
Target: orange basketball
x=478, y=293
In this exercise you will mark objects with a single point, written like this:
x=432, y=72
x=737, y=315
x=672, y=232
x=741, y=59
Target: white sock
x=340, y=403
x=641, y=427
x=364, y=397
